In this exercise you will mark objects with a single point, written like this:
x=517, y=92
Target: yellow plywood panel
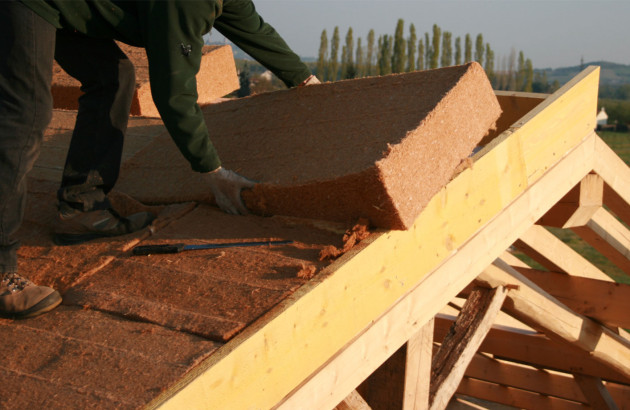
x=259, y=367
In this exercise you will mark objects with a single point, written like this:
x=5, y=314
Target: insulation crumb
x=307, y=271
x=464, y=165
x=353, y=236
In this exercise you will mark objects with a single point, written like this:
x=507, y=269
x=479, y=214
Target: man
x=80, y=36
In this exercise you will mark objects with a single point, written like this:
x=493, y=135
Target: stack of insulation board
x=217, y=77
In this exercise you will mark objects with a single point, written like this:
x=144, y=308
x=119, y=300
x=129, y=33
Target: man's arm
x=241, y=24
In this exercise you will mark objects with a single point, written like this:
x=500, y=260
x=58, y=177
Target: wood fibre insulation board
x=377, y=148
x=72, y=358
x=212, y=293
x=217, y=77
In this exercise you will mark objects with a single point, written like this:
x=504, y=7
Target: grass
x=620, y=143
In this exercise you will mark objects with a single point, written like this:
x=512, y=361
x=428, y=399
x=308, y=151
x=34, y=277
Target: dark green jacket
x=172, y=33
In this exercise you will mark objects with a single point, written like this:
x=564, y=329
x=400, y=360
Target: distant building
x=602, y=117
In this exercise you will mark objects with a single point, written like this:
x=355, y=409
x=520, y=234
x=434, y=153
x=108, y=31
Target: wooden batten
x=514, y=397
x=605, y=301
x=537, y=350
x=538, y=309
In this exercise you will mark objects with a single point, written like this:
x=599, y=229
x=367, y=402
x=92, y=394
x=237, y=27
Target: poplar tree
x=344, y=62
x=385, y=60
x=427, y=51
x=350, y=71
x=489, y=67
x=467, y=49
x=529, y=76
x=360, y=64
x=333, y=66
x=421, y=54
x=398, y=56
x=322, y=58
x=520, y=72
x=447, y=49
x=370, y=54
x=411, y=49
x=458, y=51
x=479, y=49
x=511, y=81
x=435, y=47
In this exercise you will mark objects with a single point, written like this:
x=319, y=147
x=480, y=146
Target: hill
x=611, y=73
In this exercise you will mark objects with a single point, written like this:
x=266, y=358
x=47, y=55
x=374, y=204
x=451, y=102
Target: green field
x=620, y=143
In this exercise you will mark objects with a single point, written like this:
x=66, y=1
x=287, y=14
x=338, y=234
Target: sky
x=553, y=34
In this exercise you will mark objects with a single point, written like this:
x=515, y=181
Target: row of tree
x=396, y=53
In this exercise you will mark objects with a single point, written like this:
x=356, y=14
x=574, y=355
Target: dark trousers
x=28, y=45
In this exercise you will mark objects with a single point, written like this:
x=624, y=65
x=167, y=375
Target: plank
x=536, y=308
x=514, y=397
x=595, y=391
x=418, y=369
x=546, y=249
x=609, y=236
x=561, y=385
x=460, y=345
x=503, y=192
x=535, y=349
x=353, y=401
x=608, y=302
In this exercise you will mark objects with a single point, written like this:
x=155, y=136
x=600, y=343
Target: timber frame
x=389, y=297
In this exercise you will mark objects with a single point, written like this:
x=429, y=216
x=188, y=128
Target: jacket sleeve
x=174, y=42
x=241, y=24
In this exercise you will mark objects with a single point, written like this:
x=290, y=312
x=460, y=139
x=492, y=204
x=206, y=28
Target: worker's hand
x=312, y=80
x=226, y=187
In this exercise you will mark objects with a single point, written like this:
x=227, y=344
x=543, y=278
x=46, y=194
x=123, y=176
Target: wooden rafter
x=578, y=206
x=549, y=251
x=461, y=343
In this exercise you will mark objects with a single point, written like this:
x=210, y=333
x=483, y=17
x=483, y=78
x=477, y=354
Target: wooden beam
x=418, y=369
x=557, y=384
x=546, y=249
x=608, y=302
x=538, y=309
x=595, y=392
x=578, y=206
x=459, y=347
x=609, y=236
x=514, y=397
x=535, y=349
x=616, y=175
x=353, y=401
x=514, y=180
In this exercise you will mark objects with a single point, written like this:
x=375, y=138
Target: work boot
x=74, y=226
x=21, y=298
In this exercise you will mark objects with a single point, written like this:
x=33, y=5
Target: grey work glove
x=226, y=187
